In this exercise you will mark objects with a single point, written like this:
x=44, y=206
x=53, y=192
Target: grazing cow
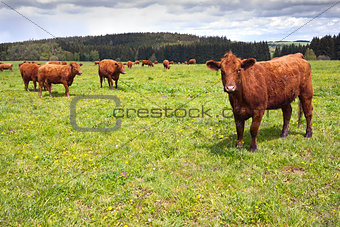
x=64, y=63
x=29, y=72
x=111, y=70
x=171, y=62
x=6, y=66
x=147, y=62
x=96, y=62
x=53, y=62
x=192, y=62
x=166, y=64
x=254, y=87
x=129, y=64
x=156, y=62
x=58, y=74
x=185, y=63
x=136, y=62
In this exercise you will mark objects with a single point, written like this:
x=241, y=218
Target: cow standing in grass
x=129, y=64
x=58, y=74
x=254, y=87
x=29, y=72
x=111, y=70
x=166, y=64
x=6, y=66
x=192, y=62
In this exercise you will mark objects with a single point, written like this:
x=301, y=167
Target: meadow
x=169, y=170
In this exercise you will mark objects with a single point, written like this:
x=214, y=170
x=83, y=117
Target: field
x=163, y=170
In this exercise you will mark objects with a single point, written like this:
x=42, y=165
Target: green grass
x=167, y=171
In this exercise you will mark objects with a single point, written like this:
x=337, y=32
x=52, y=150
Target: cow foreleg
x=109, y=80
x=26, y=85
x=239, y=129
x=66, y=90
x=116, y=83
x=49, y=85
x=41, y=84
x=35, y=85
x=254, y=129
x=287, y=113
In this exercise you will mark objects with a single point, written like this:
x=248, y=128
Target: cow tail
x=300, y=113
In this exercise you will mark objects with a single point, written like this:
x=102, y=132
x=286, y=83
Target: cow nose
x=230, y=88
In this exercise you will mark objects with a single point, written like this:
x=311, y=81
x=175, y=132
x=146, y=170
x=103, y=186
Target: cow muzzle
x=230, y=88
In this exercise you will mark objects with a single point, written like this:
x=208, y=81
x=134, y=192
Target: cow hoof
x=253, y=148
x=239, y=145
x=308, y=135
x=283, y=135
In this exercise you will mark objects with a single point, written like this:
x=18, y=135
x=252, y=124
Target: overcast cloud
x=238, y=20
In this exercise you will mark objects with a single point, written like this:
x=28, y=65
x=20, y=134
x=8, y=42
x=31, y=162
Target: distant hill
x=133, y=46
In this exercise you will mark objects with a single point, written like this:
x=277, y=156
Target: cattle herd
x=252, y=87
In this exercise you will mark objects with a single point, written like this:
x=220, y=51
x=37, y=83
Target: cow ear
x=213, y=65
x=81, y=64
x=247, y=63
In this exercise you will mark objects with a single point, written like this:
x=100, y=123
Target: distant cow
x=6, y=66
x=171, y=62
x=136, y=63
x=53, y=62
x=29, y=72
x=254, y=87
x=64, y=63
x=185, y=63
x=96, y=62
x=156, y=62
x=129, y=64
x=58, y=74
x=147, y=62
x=192, y=62
x=166, y=64
x=111, y=70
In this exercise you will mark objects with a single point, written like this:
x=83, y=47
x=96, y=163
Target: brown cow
x=254, y=87
x=166, y=64
x=96, y=62
x=171, y=62
x=53, y=62
x=147, y=62
x=29, y=72
x=185, y=63
x=136, y=62
x=192, y=61
x=58, y=74
x=129, y=64
x=111, y=70
x=6, y=66
x=156, y=62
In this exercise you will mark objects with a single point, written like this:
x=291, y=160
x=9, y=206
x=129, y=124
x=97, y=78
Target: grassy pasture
x=163, y=171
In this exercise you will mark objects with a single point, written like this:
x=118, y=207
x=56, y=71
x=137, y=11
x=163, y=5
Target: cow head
x=120, y=67
x=232, y=68
x=75, y=68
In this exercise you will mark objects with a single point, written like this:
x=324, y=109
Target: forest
x=158, y=46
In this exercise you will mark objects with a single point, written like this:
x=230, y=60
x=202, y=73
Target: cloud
x=236, y=19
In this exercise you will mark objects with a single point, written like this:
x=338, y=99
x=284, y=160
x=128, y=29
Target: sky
x=253, y=20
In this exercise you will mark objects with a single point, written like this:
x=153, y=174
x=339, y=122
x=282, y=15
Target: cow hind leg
x=308, y=112
x=50, y=89
x=287, y=113
x=101, y=82
x=116, y=83
x=254, y=129
x=35, y=85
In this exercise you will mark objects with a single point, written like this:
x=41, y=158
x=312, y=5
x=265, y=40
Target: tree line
x=133, y=46
x=327, y=47
x=158, y=46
